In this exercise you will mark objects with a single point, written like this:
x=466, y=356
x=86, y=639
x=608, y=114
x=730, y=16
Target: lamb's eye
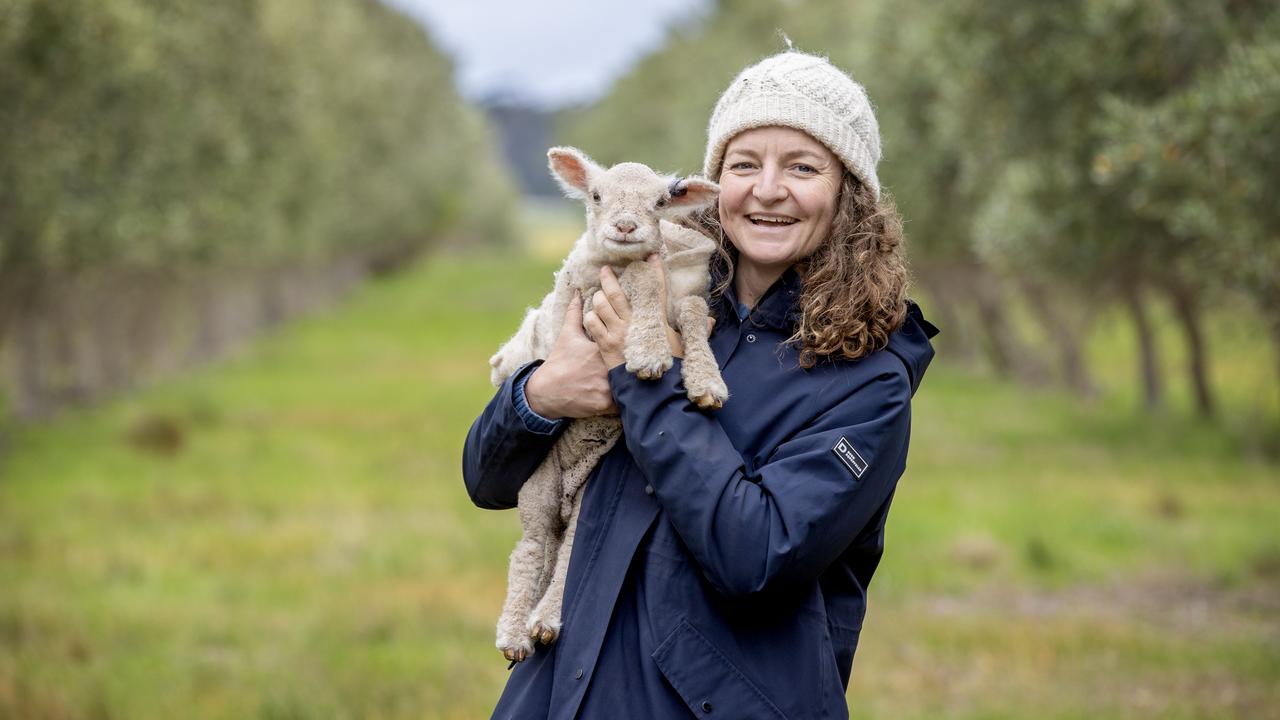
x=662, y=203
x=595, y=196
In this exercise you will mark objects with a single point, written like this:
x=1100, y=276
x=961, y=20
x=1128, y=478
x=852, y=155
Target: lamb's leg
x=596, y=437
x=701, y=375
x=647, y=351
x=544, y=621
x=533, y=557
x=581, y=447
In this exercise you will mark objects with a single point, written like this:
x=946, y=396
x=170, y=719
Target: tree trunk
x=1064, y=335
x=68, y=340
x=26, y=372
x=947, y=286
x=1273, y=324
x=1009, y=358
x=1148, y=356
x=1275, y=341
x=1187, y=309
x=21, y=293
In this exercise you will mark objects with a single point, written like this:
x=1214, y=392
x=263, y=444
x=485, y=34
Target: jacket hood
x=779, y=309
x=911, y=343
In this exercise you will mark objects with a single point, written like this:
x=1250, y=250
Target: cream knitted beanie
x=805, y=92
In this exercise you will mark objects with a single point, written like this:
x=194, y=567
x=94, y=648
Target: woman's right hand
x=573, y=382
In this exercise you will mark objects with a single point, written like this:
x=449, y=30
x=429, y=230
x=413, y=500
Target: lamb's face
x=625, y=204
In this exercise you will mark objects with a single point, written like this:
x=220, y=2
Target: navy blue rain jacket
x=722, y=559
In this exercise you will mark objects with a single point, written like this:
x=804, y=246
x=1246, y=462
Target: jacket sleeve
x=788, y=520
x=506, y=444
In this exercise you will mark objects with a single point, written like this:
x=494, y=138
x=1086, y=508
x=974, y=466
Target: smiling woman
x=778, y=196
x=722, y=558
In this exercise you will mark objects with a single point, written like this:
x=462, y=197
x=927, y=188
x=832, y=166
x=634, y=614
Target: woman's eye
x=806, y=168
x=740, y=165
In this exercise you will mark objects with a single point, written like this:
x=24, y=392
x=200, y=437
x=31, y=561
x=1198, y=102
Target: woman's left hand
x=610, y=316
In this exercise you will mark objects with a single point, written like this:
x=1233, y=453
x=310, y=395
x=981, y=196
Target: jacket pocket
x=707, y=681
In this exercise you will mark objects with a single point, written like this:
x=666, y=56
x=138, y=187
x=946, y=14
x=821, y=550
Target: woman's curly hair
x=854, y=285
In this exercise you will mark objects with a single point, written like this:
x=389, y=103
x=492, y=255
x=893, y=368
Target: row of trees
x=1061, y=155
x=185, y=154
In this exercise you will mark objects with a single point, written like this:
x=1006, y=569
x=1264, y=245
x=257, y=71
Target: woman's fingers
x=611, y=294
x=594, y=326
x=612, y=316
x=573, y=315
x=603, y=309
x=573, y=382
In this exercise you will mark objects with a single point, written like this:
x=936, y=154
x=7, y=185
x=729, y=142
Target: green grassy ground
x=286, y=535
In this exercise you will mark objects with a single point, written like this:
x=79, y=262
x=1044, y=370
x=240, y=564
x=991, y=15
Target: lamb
x=629, y=208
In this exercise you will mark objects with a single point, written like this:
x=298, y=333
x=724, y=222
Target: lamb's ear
x=573, y=170
x=693, y=193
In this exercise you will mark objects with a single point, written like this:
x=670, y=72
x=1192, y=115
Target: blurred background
x=254, y=255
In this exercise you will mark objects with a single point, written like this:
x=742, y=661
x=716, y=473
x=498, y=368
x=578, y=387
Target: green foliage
x=1038, y=74
x=1205, y=162
x=144, y=133
x=1028, y=138
x=968, y=94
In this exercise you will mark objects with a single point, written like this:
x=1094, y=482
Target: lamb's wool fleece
x=625, y=223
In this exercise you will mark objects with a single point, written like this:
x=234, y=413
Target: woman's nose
x=769, y=187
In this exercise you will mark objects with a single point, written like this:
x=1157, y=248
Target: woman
x=722, y=559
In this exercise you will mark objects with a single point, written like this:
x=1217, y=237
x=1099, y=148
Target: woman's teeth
x=765, y=220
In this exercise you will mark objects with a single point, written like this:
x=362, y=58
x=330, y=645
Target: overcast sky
x=550, y=52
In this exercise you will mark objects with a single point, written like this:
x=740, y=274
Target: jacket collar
x=778, y=308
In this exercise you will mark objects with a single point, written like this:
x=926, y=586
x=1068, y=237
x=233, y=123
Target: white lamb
x=628, y=207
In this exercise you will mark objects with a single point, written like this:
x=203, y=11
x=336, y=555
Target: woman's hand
x=610, y=316
x=573, y=382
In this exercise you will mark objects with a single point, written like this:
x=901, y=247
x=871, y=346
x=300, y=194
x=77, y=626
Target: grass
x=285, y=535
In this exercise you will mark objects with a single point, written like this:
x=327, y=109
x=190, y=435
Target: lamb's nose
x=625, y=226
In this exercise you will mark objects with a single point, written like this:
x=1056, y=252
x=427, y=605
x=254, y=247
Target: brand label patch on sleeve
x=850, y=457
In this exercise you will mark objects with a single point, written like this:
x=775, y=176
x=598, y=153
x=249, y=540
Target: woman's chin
x=766, y=254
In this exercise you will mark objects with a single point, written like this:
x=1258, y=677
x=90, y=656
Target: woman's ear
x=693, y=193
x=573, y=170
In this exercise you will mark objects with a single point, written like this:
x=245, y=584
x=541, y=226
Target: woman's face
x=778, y=191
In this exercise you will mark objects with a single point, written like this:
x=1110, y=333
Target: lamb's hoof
x=542, y=629
x=708, y=396
x=650, y=370
x=544, y=634
x=517, y=650
x=707, y=401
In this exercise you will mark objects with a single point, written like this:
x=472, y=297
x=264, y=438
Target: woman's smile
x=771, y=221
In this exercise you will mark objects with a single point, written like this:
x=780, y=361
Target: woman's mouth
x=762, y=220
